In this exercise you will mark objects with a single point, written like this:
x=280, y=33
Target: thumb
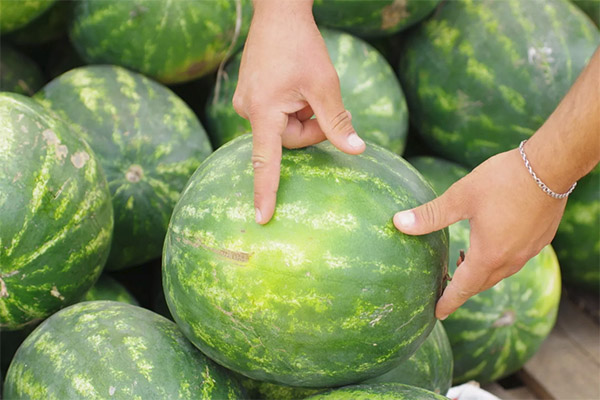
x=333, y=118
x=434, y=215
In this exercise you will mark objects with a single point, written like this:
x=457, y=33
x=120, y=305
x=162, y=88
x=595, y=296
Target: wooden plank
x=520, y=393
x=567, y=366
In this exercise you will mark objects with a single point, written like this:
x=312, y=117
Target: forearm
x=567, y=146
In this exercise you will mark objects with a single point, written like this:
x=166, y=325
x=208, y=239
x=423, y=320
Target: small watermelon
x=18, y=73
x=106, y=288
x=370, y=90
x=372, y=18
x=328, y=292
x=481, y=76
x=148, y=141
x=56, y=216
x=496, y=331
x=106, y=349
x=430, y=367
x=378, y=391
x=16, y=14
x=577, y=241
x=171, y=41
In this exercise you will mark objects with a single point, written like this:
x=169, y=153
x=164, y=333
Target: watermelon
x=481, y=76
x=577, y=240
x=328, y=292
x=496, y=331
x=18, y=73
x=591, y=8
x=148, y=141
x=370, y=90
x=381, y=391
x=105, y=349
x=372, y=18
x=55, y=214
x=171, y=41
x=51, y=25
x=16, y=14
x=430, y=367
x=106, y=288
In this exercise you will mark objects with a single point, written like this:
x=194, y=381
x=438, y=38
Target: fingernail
x=405, y=219
x=258, y=215
x=355, y=141
x=443, y=317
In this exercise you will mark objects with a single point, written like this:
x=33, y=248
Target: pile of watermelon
x=130, y=262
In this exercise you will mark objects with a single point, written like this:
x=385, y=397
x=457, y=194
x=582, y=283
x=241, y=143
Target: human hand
x=511, y=221
x=286, y=77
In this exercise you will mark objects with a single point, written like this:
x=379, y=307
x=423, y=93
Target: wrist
x=267, y=7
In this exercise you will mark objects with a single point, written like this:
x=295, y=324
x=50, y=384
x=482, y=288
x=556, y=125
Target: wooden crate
x=567, y=365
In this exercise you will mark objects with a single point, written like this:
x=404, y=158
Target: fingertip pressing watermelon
x=370, y=91
x=106, y=349
x=328, y=292
x=16, y=14
x=148, y=141
x=481, y=76
x=56, y=217
x=171, y=41
x=496, y=331
x=378, y=391
x=372, y=18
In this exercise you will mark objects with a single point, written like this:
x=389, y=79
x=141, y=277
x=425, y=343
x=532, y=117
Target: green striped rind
x=429, y=368
x=381, y=391
x=372, y=18
x=106, y=288
x=55, y=214
x=172, y=41
x=577, y=241
x=51, y=25
x=480, y=76
x=18, y=73
x=148, y=141
x=591, y=8
x=328, y=292
x=370, y=90
x=15, y=14
x=495, y=332
x=105, y=349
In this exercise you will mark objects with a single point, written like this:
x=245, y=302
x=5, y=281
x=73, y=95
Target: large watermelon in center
x=328, y=292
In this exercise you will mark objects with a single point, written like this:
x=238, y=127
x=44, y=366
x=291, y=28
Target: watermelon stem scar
x=134, y=173
x=239, y=256
x=507, y=318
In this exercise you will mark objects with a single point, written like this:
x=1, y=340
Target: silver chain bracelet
x=539, y=182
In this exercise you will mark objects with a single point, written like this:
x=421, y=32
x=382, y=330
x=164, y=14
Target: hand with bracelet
x=512, y=214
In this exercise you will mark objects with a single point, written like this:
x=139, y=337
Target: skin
x=286, y=76
x=511, y=218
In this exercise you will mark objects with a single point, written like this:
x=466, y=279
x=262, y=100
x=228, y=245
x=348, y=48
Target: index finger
x=266, y=161
x=467, y=281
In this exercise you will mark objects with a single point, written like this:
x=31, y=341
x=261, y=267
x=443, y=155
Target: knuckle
x=341, y=123
x=238, y=103
x=430, y=213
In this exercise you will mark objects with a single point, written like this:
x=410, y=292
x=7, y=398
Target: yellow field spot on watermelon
x=79, y=159
x=393, y=14
x=54, y=292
